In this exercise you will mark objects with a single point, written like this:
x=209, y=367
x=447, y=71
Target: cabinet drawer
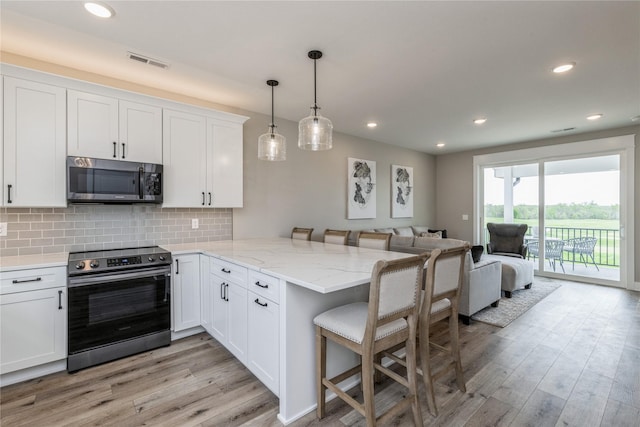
x=31, y=280
x=264, y=285
x=229, y=271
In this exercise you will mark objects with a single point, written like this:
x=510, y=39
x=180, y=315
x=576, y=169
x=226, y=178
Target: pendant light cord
x=315, y=100
x=273, y=122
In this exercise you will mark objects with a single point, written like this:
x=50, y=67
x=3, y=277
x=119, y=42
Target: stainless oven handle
x=102, y=278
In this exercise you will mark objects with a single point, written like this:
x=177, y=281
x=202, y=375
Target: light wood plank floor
x=572, y=360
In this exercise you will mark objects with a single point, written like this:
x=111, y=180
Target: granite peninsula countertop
x=318, y=266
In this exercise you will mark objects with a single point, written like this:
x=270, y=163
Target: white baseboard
x=31, y=373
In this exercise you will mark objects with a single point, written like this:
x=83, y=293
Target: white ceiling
x=422, y=70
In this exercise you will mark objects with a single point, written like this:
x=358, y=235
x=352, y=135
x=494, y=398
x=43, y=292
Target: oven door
x=108, y=308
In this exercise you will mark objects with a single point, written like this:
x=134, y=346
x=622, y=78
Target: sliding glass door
x=575, y=205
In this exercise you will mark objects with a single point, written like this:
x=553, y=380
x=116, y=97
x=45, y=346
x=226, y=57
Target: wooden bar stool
x=373, y=240
x=299, y=233
x=337, y=237
x=388, y=319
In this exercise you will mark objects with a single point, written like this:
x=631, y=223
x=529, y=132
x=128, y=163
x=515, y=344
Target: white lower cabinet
x=228, y=293
x=185, y=292
x=33, y=318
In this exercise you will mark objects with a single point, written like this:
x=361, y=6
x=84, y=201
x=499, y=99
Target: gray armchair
x=507, y=239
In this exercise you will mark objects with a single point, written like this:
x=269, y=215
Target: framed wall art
x=401, y=191
x=361, y=191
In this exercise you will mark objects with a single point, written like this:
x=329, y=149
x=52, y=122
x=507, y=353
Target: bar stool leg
x=321, y=371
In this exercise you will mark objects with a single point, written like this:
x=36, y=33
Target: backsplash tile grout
x=97, y=227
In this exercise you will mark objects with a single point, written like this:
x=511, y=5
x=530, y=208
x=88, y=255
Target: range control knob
x=94, y=264
x=151, y=259
x=80, y=265
x=162, y=258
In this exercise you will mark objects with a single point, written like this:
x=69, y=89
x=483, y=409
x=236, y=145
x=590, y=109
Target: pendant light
x=271, y=145
x=315, y=131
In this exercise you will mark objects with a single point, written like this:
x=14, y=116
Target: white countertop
x=317, y=266
x=24, y=262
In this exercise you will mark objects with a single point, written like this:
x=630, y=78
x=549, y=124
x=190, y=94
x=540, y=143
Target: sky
x=599, y=187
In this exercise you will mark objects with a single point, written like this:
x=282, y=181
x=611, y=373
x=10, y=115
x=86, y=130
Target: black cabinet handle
x=59, y=300
x=177, y=266
x=224, y=270
x=123, y=150
x=261, y=285
x=140, y=179
x=222, y=285
x=115, y=147
x=203, y=198
x=257, y=301
x=16, y=281
x=209, y=199
x=9, y=193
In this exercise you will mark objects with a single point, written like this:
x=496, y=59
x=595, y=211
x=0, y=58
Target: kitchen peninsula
x=309, y=277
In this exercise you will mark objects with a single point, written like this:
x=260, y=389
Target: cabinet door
x=140, y=133
x=220, y=309
x=93, y=125
x=263, y=340
x=186, y=292
x=237, y=338
x=184, y=159
x=34, y=144
x=33, y=328
x=224, y=153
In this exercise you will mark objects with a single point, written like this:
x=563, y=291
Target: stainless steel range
x=119, y=304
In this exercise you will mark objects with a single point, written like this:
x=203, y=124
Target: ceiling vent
x=146, y=60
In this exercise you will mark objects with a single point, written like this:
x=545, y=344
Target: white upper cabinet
x=108, y=128
x=202, y=161
x=185, y=160
x=224, y=168
x=34, y=144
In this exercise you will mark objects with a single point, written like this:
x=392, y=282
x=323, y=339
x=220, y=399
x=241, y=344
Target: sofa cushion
x=401, y=241
x=417, y=229
x=385, y=230
x=476, y=252
x=436, y=235
x=443, y=232
x=403, y=231
x=429, y=243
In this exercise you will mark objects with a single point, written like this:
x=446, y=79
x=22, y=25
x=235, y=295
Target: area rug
x=510, y=309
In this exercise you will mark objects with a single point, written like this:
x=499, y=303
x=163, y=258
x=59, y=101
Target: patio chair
x=552, y=251
x=507, y=239
x=583, y=246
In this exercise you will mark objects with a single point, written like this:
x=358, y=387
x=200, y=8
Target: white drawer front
x=31, y=280
x=264, y=285
x=229, y=271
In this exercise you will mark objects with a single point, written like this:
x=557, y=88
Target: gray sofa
x=481, y=285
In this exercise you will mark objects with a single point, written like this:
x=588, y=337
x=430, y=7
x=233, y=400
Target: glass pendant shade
x=272, y=146
x=315, y=133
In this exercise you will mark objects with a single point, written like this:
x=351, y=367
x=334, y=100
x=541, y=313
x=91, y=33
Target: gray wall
x=309, y=189
x=454, y=183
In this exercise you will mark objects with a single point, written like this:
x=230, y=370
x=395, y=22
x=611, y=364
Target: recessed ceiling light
x=595, y=116
x=440, y=144
x=480, y=121
x=98, y=9
x=635, y=118
x=564, y=68
x=372, y=124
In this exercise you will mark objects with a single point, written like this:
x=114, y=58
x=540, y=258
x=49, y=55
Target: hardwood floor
x=572, y=360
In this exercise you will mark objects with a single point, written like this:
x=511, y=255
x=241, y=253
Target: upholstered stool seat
x=517, y=273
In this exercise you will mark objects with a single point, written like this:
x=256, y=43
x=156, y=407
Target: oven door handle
x=116, y=277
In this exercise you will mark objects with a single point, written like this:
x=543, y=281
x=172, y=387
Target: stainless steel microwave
x=92, y=180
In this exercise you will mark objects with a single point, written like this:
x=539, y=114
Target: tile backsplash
x=95, y=227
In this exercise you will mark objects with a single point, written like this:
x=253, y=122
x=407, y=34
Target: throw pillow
x=476, y=252
x=434, y=235
x=443, y=232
